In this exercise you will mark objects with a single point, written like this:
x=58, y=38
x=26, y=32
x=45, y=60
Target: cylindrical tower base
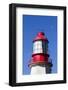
x=38, y=69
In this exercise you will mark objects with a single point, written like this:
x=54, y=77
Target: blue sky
x=32, y=25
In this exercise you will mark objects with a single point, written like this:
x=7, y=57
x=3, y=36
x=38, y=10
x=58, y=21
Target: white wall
x=4, y=32
x=38, y=70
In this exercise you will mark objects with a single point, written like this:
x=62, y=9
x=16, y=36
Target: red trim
x=40, y=40
x=40, y=36
x=40, y=54
x=40, y=58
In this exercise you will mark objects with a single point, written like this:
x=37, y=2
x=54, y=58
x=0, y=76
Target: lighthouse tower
x=40, y=62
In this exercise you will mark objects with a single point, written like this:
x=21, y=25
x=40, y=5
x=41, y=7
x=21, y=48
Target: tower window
x=40, y=47
x=37, y=47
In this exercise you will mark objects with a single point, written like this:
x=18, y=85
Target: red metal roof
x=40, y=36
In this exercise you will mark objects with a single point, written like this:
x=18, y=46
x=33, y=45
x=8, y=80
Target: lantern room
x=40, y=44
x=40, y=55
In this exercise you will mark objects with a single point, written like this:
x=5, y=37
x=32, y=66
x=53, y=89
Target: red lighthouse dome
x=40, y=36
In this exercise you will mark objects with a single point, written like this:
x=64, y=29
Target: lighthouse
x=40, y=62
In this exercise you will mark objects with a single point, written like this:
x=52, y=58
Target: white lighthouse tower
x=40, y=62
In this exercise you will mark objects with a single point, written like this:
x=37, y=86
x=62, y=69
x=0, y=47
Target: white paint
x=38, y=70
x=30, y=78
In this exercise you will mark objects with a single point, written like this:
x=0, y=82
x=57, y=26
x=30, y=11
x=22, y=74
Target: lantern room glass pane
x=37, y=45
x=40, y=47
x=38, y=51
